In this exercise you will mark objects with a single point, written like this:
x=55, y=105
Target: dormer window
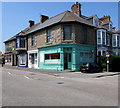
x=110, y=26
x=95, y=21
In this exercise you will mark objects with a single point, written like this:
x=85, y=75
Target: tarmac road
x=25, y=88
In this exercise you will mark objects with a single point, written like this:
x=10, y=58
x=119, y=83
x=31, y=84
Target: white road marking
x=9, y=73
x=26, y=77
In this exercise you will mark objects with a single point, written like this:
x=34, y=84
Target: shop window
x=22, y=60
x=52, y=56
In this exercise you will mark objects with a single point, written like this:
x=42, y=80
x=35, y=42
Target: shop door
x=67, y=60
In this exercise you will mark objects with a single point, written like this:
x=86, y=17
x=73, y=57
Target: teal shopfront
x=65, y=56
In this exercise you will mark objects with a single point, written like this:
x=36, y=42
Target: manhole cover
x=60, y=82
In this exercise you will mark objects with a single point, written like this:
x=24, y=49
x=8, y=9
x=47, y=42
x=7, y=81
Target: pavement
x=66, y=73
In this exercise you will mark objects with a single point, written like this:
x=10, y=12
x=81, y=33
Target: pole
x=107, y=65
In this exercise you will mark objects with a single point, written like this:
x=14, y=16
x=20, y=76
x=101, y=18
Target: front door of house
x=67, y=58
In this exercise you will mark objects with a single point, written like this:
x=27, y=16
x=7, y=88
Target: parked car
x=90, y=67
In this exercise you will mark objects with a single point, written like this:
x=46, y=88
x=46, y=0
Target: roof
x=91, y=17
x=116, y=31
x=66, y=16
x=104, y=17
x=21, y=33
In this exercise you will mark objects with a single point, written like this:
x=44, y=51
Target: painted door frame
x=30, y=65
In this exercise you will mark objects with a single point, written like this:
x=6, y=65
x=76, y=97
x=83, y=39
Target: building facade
x=64, y=41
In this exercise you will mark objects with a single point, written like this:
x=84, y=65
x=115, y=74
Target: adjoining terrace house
x=64, y=41
x=16, y=50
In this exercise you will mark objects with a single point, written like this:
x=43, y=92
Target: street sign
x=107, y=54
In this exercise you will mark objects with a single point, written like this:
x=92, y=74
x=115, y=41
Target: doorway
x=67, y=58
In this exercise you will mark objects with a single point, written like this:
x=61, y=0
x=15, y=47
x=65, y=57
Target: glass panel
x=49, y=35
x=22, y=60
x=52, y=56
x=103, y=37
x=68, y=32
x=99, y=37
x=33, y=40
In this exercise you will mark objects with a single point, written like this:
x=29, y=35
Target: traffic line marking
x=9, y=73
x=26, y=77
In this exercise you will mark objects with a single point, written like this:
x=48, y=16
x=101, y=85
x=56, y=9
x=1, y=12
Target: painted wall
x=78, y=56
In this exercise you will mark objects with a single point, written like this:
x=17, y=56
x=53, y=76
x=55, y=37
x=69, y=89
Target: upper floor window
x=101, y=37
x=33, y=40
x=110, y=26
x=114, y=40
x=118, y=40
x=49, y=35
x=67, y=32
x=84, y=33
x=108, y=40
x=20, y=43
x=95, y=21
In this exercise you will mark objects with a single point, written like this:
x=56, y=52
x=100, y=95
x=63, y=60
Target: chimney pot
x=31, y=23
x=76, y=8
x=43, y=18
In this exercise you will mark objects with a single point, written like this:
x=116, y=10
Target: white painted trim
x=33, y=65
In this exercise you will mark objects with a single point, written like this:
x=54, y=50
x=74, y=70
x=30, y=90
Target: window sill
x=67, y=41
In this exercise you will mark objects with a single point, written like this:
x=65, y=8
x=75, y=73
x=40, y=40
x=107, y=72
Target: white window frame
x=110, y=28
x=114, y=36
x=108, y=39
x=95, y=18
x=101, y=36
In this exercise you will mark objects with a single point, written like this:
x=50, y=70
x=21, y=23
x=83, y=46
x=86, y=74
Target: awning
x=8, y=53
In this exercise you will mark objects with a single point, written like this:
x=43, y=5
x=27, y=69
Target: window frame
x=64, y=37
x=48, y=35
x=108, y=39
x=32, y=40
x=101, y=36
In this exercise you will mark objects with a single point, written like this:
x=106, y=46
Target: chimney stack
x=76, y=8
x=31, y=23
x=43, y=18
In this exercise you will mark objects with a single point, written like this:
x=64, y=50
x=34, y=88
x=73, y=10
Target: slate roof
x=21, y=33
x=66, y=16
x=91, y=17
